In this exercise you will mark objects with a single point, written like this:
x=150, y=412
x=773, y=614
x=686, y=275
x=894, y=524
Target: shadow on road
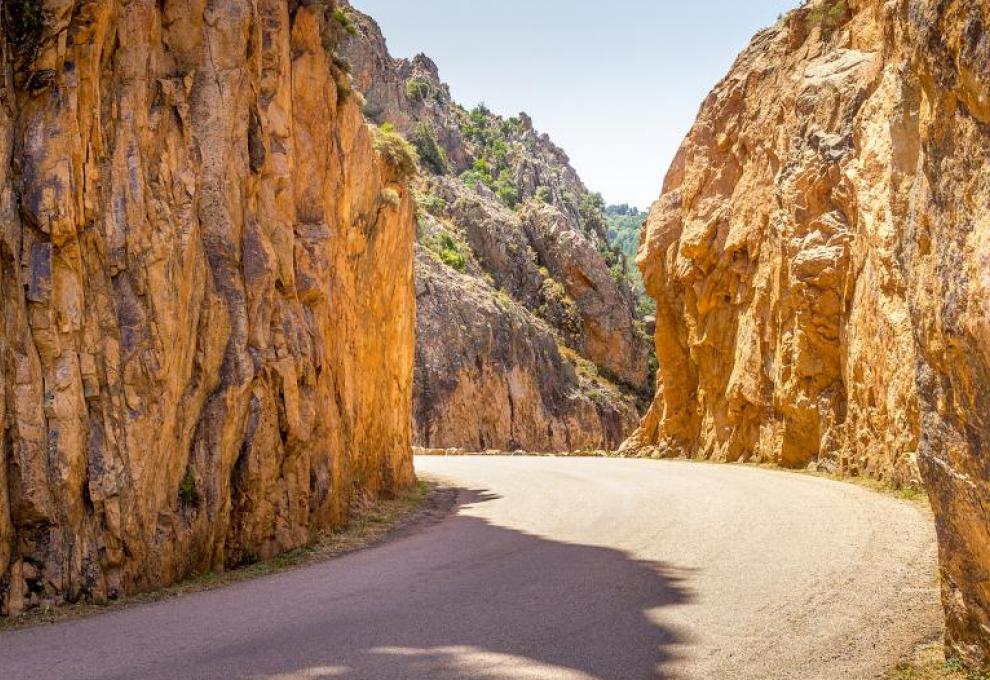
x=509, y=605
x=461, y=598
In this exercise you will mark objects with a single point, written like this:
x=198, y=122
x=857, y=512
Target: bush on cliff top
x=399, y=153
x=417, y=90
x=828, y=14
x=344, y=20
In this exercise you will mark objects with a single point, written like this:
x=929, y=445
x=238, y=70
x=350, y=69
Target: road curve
x=556, y=568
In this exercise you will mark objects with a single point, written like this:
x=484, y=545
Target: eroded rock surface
x=821, y=261
x=206, y=294
x=492, y=365
x=504, y=211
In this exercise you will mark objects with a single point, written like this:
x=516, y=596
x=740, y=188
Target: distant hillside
x=625, y=223
x=528, y=335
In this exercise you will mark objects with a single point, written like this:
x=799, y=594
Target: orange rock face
x=821, y=260
x=206, y=295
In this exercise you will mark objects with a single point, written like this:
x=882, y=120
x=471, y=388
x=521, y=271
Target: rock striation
x=206, y=293
x=821, y=262
x=530, y=339
x=492, y=376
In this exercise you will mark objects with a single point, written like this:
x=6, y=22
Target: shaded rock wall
x=821, y=260
x=206, y=295
x=493, y=376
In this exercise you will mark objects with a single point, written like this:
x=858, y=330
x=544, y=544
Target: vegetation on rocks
x=448, y=250
x=399, y=153
x=431, y=154
x=343, y=19
x=828, y=14
x=417, y=90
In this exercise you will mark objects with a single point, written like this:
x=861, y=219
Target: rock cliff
x=821, y=260
x=502, y=209
x=206, y=293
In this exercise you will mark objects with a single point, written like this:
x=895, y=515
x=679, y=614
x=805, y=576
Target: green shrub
x=828, y=14
x=544, y=195
x=188, y=494
x=431, y=203
x=480, y=173
x=424, y=138
x=618, y=274
x=448, y=251
x=344, y=20
x=507, y=192
x=454, y=259
x=398, y=152
x=417, y=90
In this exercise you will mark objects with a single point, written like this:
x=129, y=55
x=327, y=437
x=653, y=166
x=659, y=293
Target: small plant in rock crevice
x=188, y=494
x=447, y=247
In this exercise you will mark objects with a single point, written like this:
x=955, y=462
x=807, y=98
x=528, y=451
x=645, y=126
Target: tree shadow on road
x=543, y=609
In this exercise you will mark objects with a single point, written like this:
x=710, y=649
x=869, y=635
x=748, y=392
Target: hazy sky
x=617, y=84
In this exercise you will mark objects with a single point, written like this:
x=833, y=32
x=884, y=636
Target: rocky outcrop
x=501, y=206
x=206, y=293
x=493, y=365
x=821, y=261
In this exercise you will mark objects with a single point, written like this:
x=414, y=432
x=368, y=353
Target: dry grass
x=371, y=522
x=929, y=663
x=904, y=493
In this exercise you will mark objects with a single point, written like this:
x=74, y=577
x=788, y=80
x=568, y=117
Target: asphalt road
x=556, y=569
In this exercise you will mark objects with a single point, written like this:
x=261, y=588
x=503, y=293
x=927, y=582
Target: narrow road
x=556, y=569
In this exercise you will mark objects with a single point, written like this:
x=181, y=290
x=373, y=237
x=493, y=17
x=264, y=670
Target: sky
x=616, y=84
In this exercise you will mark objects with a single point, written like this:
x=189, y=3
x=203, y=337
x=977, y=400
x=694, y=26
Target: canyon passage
x=559, y=569
x=249, y=260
